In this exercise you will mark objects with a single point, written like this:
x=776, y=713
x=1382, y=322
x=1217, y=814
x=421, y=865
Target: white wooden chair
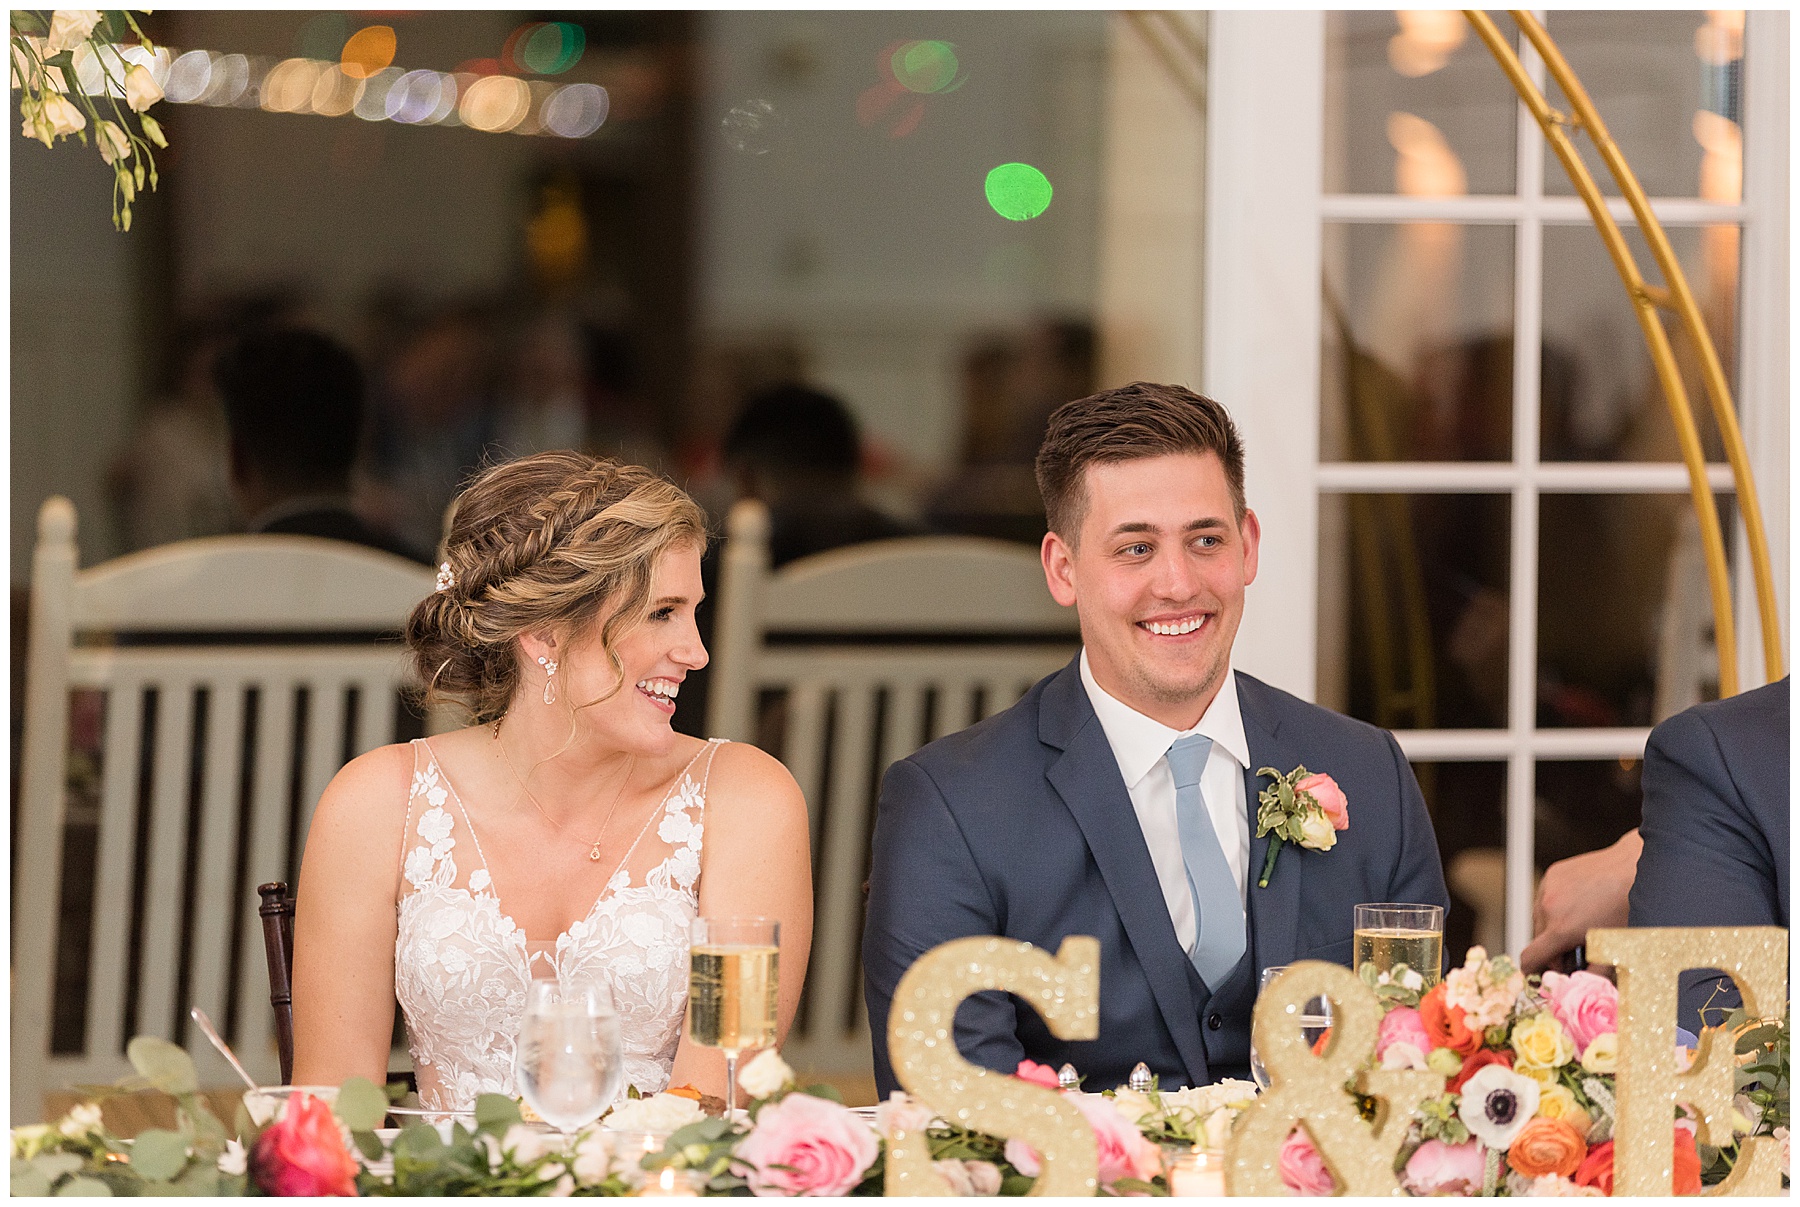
x=878, y=648
x=239, y=673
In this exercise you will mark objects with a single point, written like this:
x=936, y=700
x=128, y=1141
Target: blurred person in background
x=431, y=426
x=294, y=409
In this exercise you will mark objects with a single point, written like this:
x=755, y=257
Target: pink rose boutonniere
x=1302, y=806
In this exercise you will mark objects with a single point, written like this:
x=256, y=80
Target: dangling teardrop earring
x=549, y=665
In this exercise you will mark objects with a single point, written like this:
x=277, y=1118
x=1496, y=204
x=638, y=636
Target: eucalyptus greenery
x=49, y=52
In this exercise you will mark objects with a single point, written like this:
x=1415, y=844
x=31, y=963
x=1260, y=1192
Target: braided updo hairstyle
x=542, y=543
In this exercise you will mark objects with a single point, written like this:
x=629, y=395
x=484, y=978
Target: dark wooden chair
x=277, y=912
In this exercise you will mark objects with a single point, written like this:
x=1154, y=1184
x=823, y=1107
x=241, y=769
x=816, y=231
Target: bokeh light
x=925, y=66
x=369, y=50
x=189, y=77
x=1018, y=191
x=289, y=86
x=749, y=128
x=550, y=47
x=495, y=103
x=323, y=37
x=414, y=97
x=577, y=110
x=230, y=79
x=334, y=93
x=371, y=106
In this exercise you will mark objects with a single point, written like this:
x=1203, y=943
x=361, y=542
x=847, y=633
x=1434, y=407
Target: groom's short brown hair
x=1143, y=419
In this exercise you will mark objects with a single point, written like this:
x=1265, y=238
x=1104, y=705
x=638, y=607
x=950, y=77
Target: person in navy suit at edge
x=1063, y=816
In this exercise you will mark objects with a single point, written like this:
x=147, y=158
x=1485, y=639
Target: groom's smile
x=1157, y=574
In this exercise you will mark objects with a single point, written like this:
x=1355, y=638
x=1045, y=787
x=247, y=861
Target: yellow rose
x=1602, y=1055
x=1541, y=1043
x=1556, y=1102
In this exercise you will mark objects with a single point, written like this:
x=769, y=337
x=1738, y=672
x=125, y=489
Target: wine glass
x=1392, y=933
x=733, y=976
x=568, y=1064
x=1313, y=1023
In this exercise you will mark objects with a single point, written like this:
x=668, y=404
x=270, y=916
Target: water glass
x=733, y=986
x=1391, y=933
x=1313, y=1023
x=569, y=1063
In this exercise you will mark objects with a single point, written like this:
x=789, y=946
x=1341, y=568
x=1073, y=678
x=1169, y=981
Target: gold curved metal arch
x=1645, y=299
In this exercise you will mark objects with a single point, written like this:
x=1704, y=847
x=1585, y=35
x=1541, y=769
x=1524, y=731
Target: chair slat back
x=871, y=651
x=235, y=674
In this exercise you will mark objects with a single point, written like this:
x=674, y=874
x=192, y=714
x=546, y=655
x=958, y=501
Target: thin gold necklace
x=594, y=847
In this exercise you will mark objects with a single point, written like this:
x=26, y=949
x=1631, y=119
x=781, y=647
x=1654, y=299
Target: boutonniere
x=1301, y=806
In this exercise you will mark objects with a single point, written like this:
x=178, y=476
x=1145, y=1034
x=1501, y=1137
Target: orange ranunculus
x=1596, y=1168
x=1444, y=1024
x=1478, y=1059
x=1548, y=1146
x=1687, y=1163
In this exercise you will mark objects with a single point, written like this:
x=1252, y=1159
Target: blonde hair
x=543, y=543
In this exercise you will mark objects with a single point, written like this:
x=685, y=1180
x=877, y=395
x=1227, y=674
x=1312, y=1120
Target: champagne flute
x=1391, y=933
x=569, y=1062
x=733, y=975
x=1313, y=1023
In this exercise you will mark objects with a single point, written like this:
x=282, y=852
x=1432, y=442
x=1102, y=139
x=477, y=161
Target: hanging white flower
x=69, y=28
x=113, y=143
x=141, y=88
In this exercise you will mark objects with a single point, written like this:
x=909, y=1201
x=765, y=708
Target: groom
x=1118, y=798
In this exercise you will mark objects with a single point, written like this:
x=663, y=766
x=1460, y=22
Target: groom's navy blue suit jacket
x=1021, y=826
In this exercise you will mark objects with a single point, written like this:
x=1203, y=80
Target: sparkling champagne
x=1420, y=950
x=731, y=995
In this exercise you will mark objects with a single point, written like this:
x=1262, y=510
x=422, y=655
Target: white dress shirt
x=1141, y=746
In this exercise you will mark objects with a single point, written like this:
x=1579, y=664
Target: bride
x=569, y=832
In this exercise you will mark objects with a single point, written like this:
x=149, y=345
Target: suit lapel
x=1086, y=775
x=1274, y=911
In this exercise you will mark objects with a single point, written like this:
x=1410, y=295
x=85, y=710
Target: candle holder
x=630, y=1150
x=672, y=1183
x=1193, y=1172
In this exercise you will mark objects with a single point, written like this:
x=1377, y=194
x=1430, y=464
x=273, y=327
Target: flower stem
x=1269, y=861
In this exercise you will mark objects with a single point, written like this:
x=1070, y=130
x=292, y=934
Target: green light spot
x=1018, y=191
x=323, y=37
x=552, y=48
x=926, y=66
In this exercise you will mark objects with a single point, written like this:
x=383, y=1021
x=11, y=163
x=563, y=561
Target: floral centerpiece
x=1528, y=1106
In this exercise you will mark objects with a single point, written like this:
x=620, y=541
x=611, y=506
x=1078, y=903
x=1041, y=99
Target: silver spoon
x=218, y=1041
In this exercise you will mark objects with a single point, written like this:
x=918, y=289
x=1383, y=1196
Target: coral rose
x=1037, y=1074
x=1122, y=1149
x=1444, y=1023
x=1477, y=1061
x=806, y=1145
x=1547, y=1146
x=1440, y=1168
x=1302, y=1168
x=302, y=1154
x=1323, y=789
x=1596, y=1168
x=1687, y=1163
x=1401, y=1025
x=1586, y=1004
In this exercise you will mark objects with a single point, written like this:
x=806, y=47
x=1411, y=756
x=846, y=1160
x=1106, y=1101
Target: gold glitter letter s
x=922, y=1046
x=1309, y=1090
x=1650, y=961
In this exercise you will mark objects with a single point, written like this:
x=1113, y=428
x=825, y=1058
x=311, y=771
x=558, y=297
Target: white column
x=1261, y=309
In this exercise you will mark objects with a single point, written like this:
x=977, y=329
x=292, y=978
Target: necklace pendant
x=594, y=851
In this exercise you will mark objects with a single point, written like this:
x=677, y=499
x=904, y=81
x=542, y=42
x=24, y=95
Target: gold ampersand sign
x=922, y=1046
x=1309, y=1090
x=1650, y=961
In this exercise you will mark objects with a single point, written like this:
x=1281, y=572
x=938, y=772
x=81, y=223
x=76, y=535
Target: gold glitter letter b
x=1309, y=1090
x=922, y=1046
x=1650, y=961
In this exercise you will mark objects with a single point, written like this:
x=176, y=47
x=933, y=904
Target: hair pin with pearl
x=446, y=577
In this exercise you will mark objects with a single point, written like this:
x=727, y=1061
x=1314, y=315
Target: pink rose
x=1585, y=1004
x=1037, y=1074
x=1324, y=789
x=1302, y=1168
x=1439, y=1168
x=1022, y=1157
x=1122, y=1149
x=819, y=1147
x=1401, y=1025
x=302, y=1154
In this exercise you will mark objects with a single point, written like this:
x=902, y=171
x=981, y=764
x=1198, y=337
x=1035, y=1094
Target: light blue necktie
x=1219, y=927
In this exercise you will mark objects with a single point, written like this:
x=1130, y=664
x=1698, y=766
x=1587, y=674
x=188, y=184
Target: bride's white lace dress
x=461, y=965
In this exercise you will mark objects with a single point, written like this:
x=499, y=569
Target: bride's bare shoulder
x=746, y=777
x=371, y=790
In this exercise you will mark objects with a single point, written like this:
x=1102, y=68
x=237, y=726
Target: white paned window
x=1502, y=557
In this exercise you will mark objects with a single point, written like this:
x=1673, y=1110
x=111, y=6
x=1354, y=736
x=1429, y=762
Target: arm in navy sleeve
x=925, y=888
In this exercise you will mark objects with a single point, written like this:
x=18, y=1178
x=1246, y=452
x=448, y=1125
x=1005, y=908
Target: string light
x=492, y=103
